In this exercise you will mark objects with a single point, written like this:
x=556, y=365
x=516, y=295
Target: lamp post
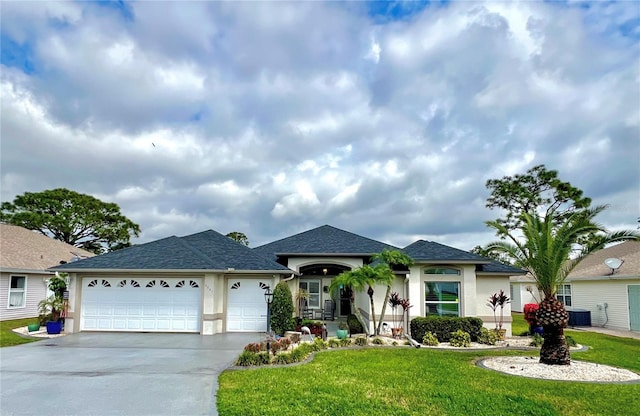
x=268, y=297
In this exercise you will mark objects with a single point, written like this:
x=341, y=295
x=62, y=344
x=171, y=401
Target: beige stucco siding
x=588, y=294
x=485, y=287
x=36, y=291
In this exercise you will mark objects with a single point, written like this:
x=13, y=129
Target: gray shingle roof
x=323, y=240
x=424, y=251
x=208, y=250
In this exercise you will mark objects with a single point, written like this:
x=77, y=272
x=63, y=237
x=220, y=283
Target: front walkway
x=607, y=331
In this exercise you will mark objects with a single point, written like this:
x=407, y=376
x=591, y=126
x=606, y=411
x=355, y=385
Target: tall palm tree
x=359, y=279
x=391, y=258
x=549, y=250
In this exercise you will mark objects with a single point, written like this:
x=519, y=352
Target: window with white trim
x=17, y=292
x=313, y=288
x=442, y=298
x=564, y=294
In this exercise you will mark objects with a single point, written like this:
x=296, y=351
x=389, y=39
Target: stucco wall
x=487, y=286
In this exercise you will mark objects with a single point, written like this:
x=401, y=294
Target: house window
x=564, y=294
x=442, y=298
x=18, y=292
x=442, y=270
x=313, y=287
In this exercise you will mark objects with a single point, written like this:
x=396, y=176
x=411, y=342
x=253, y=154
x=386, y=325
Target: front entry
x=345, y=301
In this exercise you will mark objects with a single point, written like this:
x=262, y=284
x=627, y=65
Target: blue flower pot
x=54, y=327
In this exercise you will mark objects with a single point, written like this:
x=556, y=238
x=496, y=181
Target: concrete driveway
x=117, y=374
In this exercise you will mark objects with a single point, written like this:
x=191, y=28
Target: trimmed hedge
x=443, y=327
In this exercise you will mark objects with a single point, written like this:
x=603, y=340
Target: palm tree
x=549, y=250
x=391, y=258
x=359, y=279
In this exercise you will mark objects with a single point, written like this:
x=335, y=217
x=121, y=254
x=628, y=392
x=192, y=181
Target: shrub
x=254, y=347
x=460, y=338
x=355, y=327
x=263, y=358
x=318, y=344
x=285, y=343
x=443, y=327
x=282, y=358
x=430, y=339
x=282, y=309
x=530, y=310
x=377, y=341
x=537, y=340
x=362, y=341
x=570, y=341
x=487, y=337
x=247, y=358
x=345, y=342
x=334, y=343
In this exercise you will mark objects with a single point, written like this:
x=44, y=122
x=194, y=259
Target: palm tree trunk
x=555, y=350
x=373, y=309
x=554, y=317
x=384, y=309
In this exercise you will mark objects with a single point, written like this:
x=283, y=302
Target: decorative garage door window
x=442, y=298
x=183, y=283
x=161, y=283
x=100, y=282
x=126, y=282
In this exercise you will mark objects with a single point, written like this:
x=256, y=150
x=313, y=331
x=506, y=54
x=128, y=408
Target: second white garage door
x=246, y=306
x=141, y=304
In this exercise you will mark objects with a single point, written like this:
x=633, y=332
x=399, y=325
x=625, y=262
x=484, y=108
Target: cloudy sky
x=271, y=118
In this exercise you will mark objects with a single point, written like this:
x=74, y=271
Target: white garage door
x=246, y=306
x=141, y=304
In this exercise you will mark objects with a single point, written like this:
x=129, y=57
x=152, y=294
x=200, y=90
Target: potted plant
x=52, y=308
x=343, y=330
x=405, y=304
x=394, y=301
x=498, y=299
x=33, y=327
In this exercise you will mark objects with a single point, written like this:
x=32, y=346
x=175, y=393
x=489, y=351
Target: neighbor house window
x=18, y=292
x=564, y=294
x=313, y=287
x=442, y=298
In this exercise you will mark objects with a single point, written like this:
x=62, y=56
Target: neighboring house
x=208, y=283
x=24, y=257
x=523, y=290
x=611, y=295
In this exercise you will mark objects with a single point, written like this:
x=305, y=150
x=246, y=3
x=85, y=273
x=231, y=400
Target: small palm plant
x=498, y=300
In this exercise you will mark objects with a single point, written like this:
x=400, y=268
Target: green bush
x=430, y=339
x=537, y=340
x=334, y=343
x=282, y=358
x=345, y=342
x=487, y=337
x=377, y=341
x=362, y=341
x=355, y=327
x=443, y=327
x=263, y=358
x=318, y=344
x=570, y=341
x=247, y=358
x=282, y=309
x=460, y=338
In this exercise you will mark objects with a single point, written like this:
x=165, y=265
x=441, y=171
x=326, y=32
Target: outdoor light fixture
x=268, y=297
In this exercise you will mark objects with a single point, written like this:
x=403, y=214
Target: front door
x=345, y=301
x=634, y=307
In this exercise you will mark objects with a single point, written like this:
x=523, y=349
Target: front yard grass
x=409, y=381
x=8, y=337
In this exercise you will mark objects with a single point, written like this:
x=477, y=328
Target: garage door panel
x=166, y=306
x=246, y=307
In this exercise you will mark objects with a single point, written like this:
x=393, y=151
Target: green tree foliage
x=484, y=252
x=395, y=260
x=538, y=190
x=239, y=237
x=549, y=249
x=282, y=309
x=77, y=219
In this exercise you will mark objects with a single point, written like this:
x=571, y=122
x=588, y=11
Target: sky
x=385, y=119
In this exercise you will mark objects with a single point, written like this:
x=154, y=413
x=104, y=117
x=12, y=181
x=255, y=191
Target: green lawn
x=8, y=337
x=409, y=381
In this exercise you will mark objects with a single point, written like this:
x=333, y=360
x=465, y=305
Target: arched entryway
x=316, y=278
